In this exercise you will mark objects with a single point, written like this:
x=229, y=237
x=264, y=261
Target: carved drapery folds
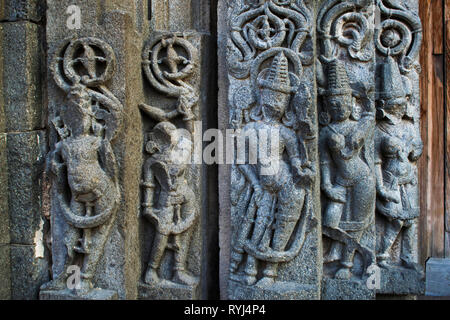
x=170, y=182
x=83, y=163
x=274, y=208
x=398, y=146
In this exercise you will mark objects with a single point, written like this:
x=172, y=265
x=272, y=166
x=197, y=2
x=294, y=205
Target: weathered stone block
x=169, y=291
x=438, y=277
x=278, y=291
x=14, y=10
x=336, y=289
x=21, y=77
x=5, y=272
x=401, y=281
x=26, y=157
x=29, y=270
x=62, y=295
x=4, y=190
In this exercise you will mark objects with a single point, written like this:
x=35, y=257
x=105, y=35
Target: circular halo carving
x=95, y=51
x=170, y=82
x=393, y=38
x=89, y=61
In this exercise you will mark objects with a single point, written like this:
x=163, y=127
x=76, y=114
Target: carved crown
x=277, y=77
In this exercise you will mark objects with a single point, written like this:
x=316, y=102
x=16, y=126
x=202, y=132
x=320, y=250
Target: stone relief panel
x=274, y=234
x=83, y=164
x=398, y=146
x=171, y=183
x=347, y=118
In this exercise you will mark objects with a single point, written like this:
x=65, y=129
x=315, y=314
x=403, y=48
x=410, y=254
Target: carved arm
x=158, y=114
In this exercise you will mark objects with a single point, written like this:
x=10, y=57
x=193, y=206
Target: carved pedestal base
x=401, y=281
x=168, y=290
x=334, y=289
x=278, y=291
x=96, y=294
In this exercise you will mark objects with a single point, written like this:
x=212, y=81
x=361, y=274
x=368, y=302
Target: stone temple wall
x=115, y=185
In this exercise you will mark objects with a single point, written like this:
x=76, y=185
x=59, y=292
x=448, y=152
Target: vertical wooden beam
x=431, y=166
x=447, y=129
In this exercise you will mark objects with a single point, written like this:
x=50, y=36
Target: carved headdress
x=277, y=77
x=391, y=83
x=338, y=81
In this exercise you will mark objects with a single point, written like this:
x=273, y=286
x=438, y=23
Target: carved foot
x=184, y=278
x=331, y=257
x=54, y=285
x=151, y=277
x=413, y=265
x=249, y=280
x=265, y=282
x=384, y=264
x=343, y=274
x=84, y=288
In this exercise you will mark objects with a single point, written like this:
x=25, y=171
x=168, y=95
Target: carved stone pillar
x=346, y=85
x=176, y=225
x=398, y=147
x=270, y=222
x=95, y=149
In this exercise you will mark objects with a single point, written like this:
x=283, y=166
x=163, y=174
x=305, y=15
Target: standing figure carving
x=348, y=180
x=398, y=146
x=169, y=200
x=273, y=187
x=276, y=207
x=83, y=164
x=170, y=185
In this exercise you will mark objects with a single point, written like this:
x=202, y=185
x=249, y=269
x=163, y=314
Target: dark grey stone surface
x=168, y=290
x=14, y=10
x=29, y=270
x=26, y=157
x=5, y=272
x=278, y=291
x=438, y=277
x=4, y=191
x=336, y=289
x=21, y=92
x=96, y=294
x=401, y=281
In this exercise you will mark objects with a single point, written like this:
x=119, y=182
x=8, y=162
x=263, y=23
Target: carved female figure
x=169, y=201
x=397, y=147
x=278, y=198
x=347, y=179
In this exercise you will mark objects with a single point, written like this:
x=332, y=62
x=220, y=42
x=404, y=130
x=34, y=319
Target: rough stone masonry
x=101, y=102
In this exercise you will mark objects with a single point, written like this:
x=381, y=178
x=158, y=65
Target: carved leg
x=393, y=229
x=98, y=238
x=59, y=281
x=261, y=222
x=409, y=252
x=159, y=246
x=250, y=270
x=290, y=206
x=332, y=218
x=348, y=255
x=180, y=273
x=262, y=219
